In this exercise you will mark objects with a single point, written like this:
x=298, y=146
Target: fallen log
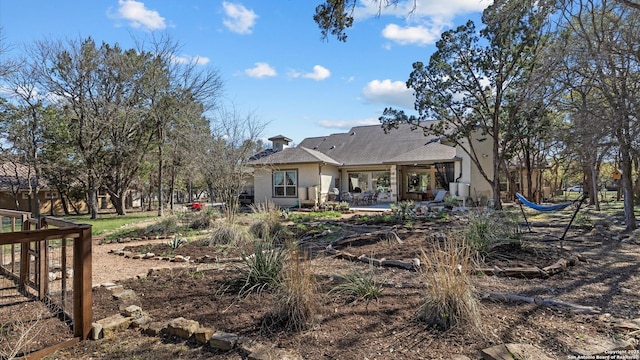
x=580, y=309
x=533, y=272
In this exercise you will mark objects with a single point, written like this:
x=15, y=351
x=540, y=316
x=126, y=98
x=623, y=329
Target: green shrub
x=263, y=267
x=360, y=285
x=486, y=231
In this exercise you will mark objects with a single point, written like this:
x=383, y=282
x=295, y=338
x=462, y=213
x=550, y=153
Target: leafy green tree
x=481, y=82
x=601, y=57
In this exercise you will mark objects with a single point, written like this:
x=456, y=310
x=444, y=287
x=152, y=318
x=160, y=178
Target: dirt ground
x=386, y=328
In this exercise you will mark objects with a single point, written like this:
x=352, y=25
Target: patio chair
x=346, y=196
x=438, y=199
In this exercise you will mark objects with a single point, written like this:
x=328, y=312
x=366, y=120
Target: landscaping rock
x=115, y=289
x=154, y=328
x=593, y=348
x=248, y=346
x=96, y=331
x=274, y=354
x=158, y=271
x=133, y=311
x=223, y=341
x=141, y=321
x=141, y=276
x=137, y=256
x=182, y=328
x=460, y=357
x=203, y=335
x=125, y=295
x=513, y=351
x=148, y=255
x=114, y=324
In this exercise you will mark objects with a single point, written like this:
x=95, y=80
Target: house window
x=51, y=195
x=379, y=181
x=285, y=183
x=418, y=182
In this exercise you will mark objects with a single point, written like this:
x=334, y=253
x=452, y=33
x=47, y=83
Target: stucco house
x=400, y=165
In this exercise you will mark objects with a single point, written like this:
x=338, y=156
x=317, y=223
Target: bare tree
x=233, y=142
x=177, y=86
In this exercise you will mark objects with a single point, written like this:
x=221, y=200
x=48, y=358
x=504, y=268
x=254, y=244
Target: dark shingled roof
x=296, y=155
x=365, y=145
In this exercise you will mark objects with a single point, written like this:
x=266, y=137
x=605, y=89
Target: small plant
x=487, y=231
x=176, y=242
x=360, y=285
x=449, y=299
x=263, y=268
x=343, y=206
x=450, y=202
x=403, y=210
x=584, y=220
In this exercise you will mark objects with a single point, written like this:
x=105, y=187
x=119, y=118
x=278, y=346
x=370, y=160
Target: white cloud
x=293, y=74
x=238, y=19
x=347, y=124
x=261, y=70
x=419, y=35
x=186, y=59
x=424, y=23
x=389, y=93
x=319, y=73
x=139, y=16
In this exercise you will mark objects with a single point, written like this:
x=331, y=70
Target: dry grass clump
x=297, y=296
x=450, y=299
x=268, y=224
x=225, y=233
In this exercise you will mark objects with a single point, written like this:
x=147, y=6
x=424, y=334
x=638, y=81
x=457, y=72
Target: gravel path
x=110, y=268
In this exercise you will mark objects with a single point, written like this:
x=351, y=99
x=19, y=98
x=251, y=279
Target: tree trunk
x=92, y=193
x=627, y=190
x=172, y=190
x=118, y=202
x=160, y=197
x=594, y=186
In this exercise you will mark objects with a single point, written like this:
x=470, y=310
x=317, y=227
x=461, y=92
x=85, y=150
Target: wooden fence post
x=82, y=300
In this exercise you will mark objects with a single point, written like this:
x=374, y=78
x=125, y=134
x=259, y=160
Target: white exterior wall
x=309, y=176
x=479, y=186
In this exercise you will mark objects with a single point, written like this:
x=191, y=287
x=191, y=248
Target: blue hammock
x=550, y=208
x=541, y=208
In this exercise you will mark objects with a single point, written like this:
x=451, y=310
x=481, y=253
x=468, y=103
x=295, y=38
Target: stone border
x=133, y=316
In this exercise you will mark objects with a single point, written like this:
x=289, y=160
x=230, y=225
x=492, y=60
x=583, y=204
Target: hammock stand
x=550, y=208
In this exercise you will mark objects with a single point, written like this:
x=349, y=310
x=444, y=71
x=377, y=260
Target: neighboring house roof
x=364, y=145
x=296, y=155
x=279, y=137
x=14, y=174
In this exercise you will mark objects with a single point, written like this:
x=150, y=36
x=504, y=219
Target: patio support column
x=393, y=177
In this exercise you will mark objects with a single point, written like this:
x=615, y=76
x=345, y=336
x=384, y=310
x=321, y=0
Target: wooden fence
x=49, y=260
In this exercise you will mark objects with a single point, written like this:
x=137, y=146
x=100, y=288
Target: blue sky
x=268, y=53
